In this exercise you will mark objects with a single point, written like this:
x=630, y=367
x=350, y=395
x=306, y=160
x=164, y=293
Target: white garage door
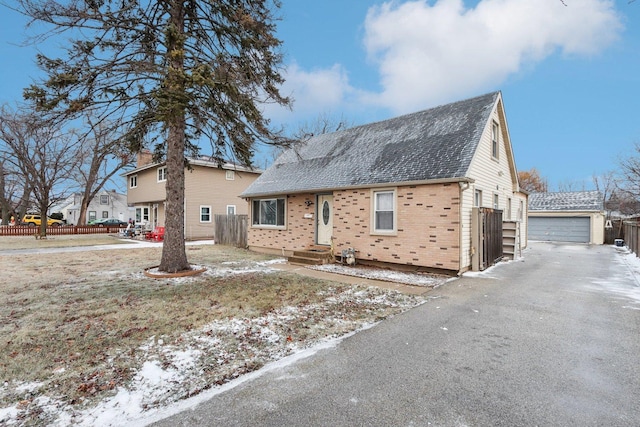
x=560, y=229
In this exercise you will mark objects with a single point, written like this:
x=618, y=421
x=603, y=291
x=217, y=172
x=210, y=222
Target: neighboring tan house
x=106, y=204
x=210, y=189
x=404, y=192
x=577, y=216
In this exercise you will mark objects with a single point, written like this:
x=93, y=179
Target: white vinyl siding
x=492, y=175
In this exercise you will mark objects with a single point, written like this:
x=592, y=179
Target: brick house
x=210, y=189
x=405, y=192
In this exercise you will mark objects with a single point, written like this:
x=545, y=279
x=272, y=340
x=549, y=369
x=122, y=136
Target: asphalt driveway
x=553, y=340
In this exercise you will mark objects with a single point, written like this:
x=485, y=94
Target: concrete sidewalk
x=131, y=244
x=352, y=280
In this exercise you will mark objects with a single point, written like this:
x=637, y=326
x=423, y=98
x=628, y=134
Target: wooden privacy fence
x=25, y=230
x=486, y=237
x=632, y=237
x=232, y=230
x=616, y=231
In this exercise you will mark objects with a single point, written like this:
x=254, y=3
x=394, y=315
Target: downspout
x=463, y=186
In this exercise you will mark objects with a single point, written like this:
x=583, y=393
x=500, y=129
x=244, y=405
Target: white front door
x=324, y=219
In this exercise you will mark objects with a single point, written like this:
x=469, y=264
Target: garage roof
x=566, y=201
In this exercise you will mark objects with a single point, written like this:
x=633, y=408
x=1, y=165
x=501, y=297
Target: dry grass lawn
x=76, y=326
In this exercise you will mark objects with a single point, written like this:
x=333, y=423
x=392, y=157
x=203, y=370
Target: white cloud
x=433, y=53
x=313, y=91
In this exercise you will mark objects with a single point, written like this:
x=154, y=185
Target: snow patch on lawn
x=201, y=363
x=415, y=279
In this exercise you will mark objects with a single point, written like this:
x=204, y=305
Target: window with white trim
x=495, y=137
x=231, y=209
x=142, y=214
x=104, y=199
x=162, y=174
x=133, y=181
x=496, y=201
x=205, y=213
x=92, y=215
x=268, y=212
x=477, y=198
x=521, y=211
x=230, y=175
x=384, y=207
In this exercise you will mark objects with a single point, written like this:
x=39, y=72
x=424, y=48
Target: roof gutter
x=361, y=186
x=197, y=162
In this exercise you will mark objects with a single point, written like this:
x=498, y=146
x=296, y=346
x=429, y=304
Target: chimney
x=145, y=157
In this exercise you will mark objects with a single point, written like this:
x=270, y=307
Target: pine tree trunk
x=174, y=255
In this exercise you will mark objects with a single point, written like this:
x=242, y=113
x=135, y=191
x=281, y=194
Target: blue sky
x=569, y=75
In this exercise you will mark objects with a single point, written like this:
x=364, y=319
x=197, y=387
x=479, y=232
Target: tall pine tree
x=172, y=72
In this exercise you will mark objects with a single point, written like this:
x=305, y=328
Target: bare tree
x=44, y=155
x=324, y=123
x=15, y=188
x=606, y=184
x=174, y=71
x=102, y=155
x=532, y=182
x=630, y=171
x=569, y=186
x=6, y=195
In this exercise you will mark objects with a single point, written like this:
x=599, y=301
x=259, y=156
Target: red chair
x=157, y=234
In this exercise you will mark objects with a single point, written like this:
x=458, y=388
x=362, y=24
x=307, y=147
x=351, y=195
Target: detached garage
x=566, y=217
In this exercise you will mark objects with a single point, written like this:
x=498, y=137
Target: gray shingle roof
x=438, y=143
x=567, y=201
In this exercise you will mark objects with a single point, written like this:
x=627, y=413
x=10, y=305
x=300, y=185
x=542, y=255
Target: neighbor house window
x=477, y=198
x=205, y=213
x=496, y=201
x=384, y=211
x=142, y=214
x=231, y=175
x=231, y=209
x=92, y=215
x=104, y=199
x=105, y=214
x=268, y=212
x=133, y=181
x=162, y=174
x=495, y=147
